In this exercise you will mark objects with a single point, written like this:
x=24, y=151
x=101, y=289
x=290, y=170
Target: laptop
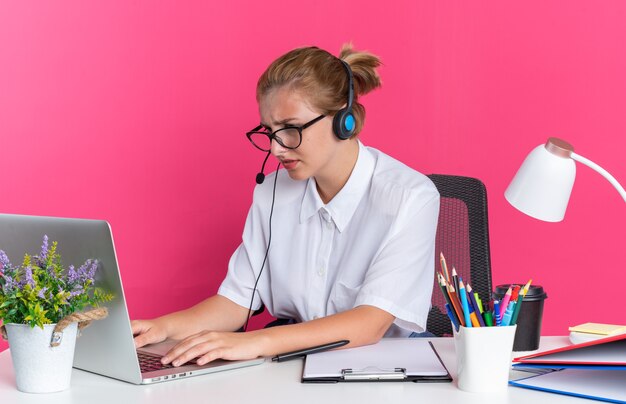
x=106, y=347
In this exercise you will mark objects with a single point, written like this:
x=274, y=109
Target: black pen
x=307, y=351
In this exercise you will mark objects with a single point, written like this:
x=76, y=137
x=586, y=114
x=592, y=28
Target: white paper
x=413, y=354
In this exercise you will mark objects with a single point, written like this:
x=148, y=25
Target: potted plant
x=40, y=305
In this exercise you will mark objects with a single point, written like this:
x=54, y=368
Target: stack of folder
x=594, y=370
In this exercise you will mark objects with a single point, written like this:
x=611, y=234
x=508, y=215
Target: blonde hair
x=321, y=78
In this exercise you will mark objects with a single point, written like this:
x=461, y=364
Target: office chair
x=463, y=237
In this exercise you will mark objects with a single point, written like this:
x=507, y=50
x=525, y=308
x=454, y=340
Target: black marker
x=303, y=352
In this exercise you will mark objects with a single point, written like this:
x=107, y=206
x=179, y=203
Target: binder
x=390, y=360
x=594, y=370
x=609, y=351
x=602, y=385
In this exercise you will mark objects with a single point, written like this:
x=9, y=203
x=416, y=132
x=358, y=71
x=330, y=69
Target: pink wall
x=134, y=112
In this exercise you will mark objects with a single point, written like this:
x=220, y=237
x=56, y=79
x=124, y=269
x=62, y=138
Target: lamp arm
x=602, y=171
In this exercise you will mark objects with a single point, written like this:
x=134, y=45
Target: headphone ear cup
x=343, y=124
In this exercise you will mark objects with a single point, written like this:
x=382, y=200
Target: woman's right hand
x=148, y=332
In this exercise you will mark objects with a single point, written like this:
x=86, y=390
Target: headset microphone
x=260, y=177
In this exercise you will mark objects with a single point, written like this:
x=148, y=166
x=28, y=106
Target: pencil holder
x=483, y=357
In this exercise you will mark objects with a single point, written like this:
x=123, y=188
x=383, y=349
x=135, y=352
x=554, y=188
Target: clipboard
x=389, y=360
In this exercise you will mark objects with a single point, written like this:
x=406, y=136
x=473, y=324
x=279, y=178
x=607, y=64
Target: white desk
x=274, y=383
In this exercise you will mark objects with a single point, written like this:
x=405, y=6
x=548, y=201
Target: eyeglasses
x=289, y=137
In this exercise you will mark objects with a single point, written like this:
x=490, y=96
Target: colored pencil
x=505, y=301
x=480, y=302
x=456, y=304
x=506, y=319
x=464, y=305
x=455, y=279
x=474, y=319
x=442, y=284
x=518, y=306
x=515, y=292
x=452, y=316
x=475, y=305
x=444, y=266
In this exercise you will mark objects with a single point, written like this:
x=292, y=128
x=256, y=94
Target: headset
x=343, y=122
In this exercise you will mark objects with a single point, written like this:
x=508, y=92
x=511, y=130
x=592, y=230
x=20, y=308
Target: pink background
x=135, y=112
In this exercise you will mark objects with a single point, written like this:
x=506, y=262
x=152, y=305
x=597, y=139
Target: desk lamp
x=543, y=184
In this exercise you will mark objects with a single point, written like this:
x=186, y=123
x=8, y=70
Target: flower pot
x=39, y=367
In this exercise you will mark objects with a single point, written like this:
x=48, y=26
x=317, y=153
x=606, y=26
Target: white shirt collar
x=342, y=206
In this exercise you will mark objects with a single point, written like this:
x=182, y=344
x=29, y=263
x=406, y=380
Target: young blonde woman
x=341, y=241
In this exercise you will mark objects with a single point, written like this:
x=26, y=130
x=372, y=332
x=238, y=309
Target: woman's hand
x=148, y=332
x=210, y=345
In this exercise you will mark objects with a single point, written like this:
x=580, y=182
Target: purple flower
x=28, y=278
x=92, y=270
x=43, y=255
x=9, y=284
x=72, y=275
x=41, y=294
x=4, y=260
x=84, y=273
x=77, y=291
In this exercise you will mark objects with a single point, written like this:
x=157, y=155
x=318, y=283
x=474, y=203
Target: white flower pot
x=40, y=368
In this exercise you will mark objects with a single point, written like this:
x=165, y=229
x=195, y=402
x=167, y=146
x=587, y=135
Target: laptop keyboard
x=150, y=362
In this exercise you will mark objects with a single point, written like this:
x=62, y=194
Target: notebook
x=106, y=347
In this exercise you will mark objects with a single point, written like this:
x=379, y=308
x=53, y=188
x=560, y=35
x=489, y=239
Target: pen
x=307, y=351
x=496, y=312
x=488, y=318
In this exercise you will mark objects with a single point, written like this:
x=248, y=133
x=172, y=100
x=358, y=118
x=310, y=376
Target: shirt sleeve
x=245, y=263
x=400, y=279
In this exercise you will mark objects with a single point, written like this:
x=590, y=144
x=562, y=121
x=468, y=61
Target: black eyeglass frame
x=274, y=136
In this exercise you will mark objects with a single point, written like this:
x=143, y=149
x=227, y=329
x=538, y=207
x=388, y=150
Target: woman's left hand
x=210, y=345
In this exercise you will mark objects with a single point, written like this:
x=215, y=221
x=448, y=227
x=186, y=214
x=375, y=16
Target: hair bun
x=363, y=65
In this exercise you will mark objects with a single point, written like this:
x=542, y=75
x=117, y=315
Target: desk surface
x=274, y=383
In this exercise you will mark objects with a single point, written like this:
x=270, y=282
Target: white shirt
x=372, y=244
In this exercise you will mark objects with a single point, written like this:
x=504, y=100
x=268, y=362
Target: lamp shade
x=543, y=184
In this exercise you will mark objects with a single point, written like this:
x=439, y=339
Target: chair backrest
x=463, y=238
